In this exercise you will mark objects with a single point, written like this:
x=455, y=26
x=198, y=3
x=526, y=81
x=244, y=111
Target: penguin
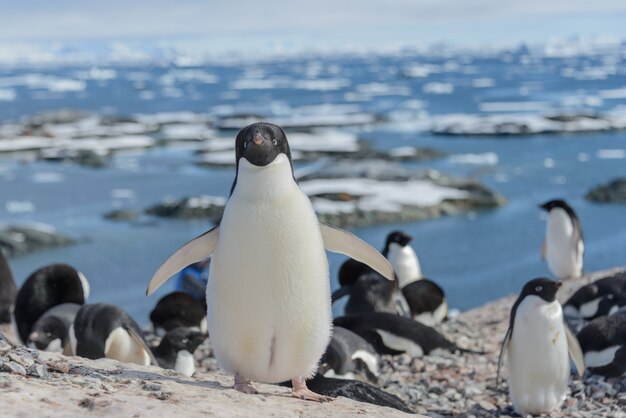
x=51, y=331
x=400, y=255
x=8, y=290
x=348, y=355
x=425, y=300
x=178, y=309
x=373, y=293
x=101, y=330
x=47, y=287
x=563, y=247
x=602, y=297
x=355, y=390
x=176, y=350
x=268, y=294
x=536, y=347
x=603, y=342
x=393, y=334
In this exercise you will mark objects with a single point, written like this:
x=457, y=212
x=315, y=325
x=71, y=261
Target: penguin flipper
x=195, y=250
x=138, y=339
x=340, y=241
x=503, y=352
x=575, y=351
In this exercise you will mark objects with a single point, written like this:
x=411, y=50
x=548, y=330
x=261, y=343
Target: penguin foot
x=300, y=391
x=243, y=385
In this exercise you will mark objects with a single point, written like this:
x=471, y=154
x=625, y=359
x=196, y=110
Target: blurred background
x=448, y=120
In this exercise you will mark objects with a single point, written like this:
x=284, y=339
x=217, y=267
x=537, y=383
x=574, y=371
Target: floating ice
x=611, y=154
x=487, y=158
x=48, y=177
x=7, y=95
x=435, y=87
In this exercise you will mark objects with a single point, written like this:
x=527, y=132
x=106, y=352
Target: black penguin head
x=183, y=338
x=260, y=143
x=544, y=288
x=397, y=237
x=556, y=203
x=46, y=330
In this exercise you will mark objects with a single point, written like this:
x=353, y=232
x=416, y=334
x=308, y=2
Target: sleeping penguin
x=178, y=309
x=603, y=342
x=47, y=287
x=348, y=356
x=51, y=332
x=393, y=334
x=176, y=350
x=602, y=297
x=101, y=330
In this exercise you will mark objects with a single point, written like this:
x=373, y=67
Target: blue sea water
x=475, y=257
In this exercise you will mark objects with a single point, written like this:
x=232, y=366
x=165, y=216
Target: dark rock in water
x=122, y=215
x=89, y=158
x=15, y=240
x=57, y=117
x=612, y=192
x=210, y=207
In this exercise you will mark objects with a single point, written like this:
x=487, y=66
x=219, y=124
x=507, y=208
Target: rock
x=21, y=239
x=612, y=192
x=210, y=207
x=12, y=367
x=122, y=215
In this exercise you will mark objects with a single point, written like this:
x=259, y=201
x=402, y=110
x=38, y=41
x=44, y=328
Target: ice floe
x=487, y=158
x=613, y=154
x=435, y=87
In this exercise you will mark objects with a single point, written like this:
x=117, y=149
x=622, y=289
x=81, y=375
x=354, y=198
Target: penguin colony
x=268, y=302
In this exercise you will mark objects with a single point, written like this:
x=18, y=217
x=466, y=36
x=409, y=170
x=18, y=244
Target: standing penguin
x=536, y=346
x=8, y=290
x=47, y=287
x=563, y=247
x=268, y=294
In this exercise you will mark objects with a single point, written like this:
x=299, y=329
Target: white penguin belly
x=405, y=263
x=268, y=295
x=563, y=251
x=538, y=361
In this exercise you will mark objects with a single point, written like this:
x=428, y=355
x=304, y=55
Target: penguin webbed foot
x=301, y=391
x=243, y=385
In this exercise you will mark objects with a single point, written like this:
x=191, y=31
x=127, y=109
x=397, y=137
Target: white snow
x=514, y=106
x=487, y=158
x=619, y=93
x=611, y=153
x=379, y=195
x=435, y=87
x=189, y=131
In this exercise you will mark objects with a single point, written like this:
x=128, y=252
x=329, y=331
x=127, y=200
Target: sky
x=322, y=23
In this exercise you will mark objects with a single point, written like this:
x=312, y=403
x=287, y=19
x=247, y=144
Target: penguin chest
x=269, y=294
x=563, y=249
x=538, y=359
x=405, y=264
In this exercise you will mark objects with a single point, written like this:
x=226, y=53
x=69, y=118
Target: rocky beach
x=441, y=384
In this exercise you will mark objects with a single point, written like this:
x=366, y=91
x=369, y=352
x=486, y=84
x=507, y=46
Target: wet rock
x=210, y=207
x=122, y=215
x=21, y=239
x=612, y=192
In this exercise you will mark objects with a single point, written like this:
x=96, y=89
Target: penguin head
x=183, y=338
x=260, y=144
x=46, y=331
x=544, y=288
x=399, y=238
x=556, y=203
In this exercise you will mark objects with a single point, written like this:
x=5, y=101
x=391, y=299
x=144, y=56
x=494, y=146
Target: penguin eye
x=245, y=144
x=610, y=296
x=185, y=340
x=48, y=334
x=274, y=141
x=538, y=289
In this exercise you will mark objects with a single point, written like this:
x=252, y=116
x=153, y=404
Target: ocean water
x=474, y=257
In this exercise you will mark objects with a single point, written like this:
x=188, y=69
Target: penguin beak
x=34, y=336
x=558, y=284
x=258, y=139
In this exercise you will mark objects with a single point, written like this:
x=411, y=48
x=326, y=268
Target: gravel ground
x=442, y=384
